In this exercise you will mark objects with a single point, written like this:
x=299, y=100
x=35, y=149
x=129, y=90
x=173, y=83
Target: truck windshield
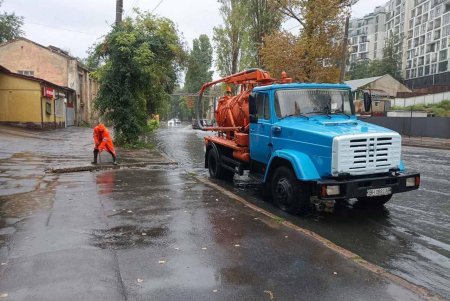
x=312, y=101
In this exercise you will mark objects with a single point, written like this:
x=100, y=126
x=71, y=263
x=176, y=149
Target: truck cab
x=306, y=142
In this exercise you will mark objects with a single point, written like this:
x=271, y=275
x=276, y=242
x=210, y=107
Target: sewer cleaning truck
x=303, y=142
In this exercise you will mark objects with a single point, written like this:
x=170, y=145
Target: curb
x=418, y=290
x=106, y=166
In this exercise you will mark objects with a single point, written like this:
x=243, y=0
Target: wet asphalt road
x=158, y=234
x=410, y=237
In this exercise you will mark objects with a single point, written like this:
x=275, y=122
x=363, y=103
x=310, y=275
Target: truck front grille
x=366, y=153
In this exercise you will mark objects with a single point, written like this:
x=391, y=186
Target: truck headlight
x=412, y=181
x=330, y=190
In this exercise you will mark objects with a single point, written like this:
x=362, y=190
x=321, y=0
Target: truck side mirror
x=252, y=108
x=367, y=101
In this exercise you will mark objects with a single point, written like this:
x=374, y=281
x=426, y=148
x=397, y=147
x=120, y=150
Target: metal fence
x=435, y=127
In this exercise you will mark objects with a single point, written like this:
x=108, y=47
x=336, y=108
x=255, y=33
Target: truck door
x=260, y=131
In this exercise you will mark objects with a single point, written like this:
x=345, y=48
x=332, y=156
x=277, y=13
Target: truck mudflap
x=366, y=187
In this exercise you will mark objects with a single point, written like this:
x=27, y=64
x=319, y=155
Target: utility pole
x=344, y=50
x=119, y=11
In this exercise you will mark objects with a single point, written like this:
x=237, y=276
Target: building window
x=26, y=72
x=427, y=70
x=443, y=66
x=443, y=55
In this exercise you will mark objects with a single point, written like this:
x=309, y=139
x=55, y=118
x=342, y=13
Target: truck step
x=232, y=165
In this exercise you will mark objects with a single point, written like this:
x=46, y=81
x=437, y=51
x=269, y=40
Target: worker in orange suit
x=103, y=141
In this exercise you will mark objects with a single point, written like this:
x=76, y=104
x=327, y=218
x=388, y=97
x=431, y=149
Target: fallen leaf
x=143, y=234
x=3, y=295
x=168, y=215
x=215, y=291
x=204, y=248
x=114, y=210
x=237, y=245
x=3, y=263
x=139, y=280
x=162, y=262
x=129, y=211
x=177, y=248
x=270, y=295
x=335, y=273
x=232, y=218
x=255, y=218
x=217, y=200
x=285, y=236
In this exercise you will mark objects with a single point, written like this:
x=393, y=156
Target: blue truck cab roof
x=302, y=86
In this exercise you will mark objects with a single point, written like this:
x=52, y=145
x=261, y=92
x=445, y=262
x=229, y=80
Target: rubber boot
x=114, y=160
x=95, y=156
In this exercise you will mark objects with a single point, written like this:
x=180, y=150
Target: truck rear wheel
x=288, y=193
x=216, y=171
x=376, y=201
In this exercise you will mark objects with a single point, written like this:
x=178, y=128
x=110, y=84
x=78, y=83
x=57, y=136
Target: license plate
x=379, y=191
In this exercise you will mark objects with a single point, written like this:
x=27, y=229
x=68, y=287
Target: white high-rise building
x=422, y=32
x=366, y=36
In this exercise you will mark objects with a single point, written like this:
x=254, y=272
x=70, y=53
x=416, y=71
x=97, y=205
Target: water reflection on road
x=409, y=237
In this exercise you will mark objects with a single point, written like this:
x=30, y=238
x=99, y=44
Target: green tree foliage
x=199, y=64
x=313, y=54
x=139, y=61
x=232, y=39
x=264, y=18
x=239, y=41
x=389, y=64
x=10, y=26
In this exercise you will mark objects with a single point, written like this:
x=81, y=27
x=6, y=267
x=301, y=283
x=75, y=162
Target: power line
x=131, y=8
x=157, y=5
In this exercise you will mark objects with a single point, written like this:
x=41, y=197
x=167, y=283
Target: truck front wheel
x=376, y=201
x=288, y=193
x=216, y=171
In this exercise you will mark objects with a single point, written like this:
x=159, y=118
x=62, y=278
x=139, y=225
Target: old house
x=33, y=102
x=54, y=65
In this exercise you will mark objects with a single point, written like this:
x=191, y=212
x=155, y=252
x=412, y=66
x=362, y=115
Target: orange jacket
x=102, y=139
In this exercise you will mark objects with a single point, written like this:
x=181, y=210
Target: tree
x=232, y=38
x=389, y=64
x=264, y=18
x=316, y=49
x=199, y=64
x=140, y=60
x=10, y=26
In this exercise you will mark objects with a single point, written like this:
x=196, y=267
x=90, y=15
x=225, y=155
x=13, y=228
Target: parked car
x=203, y=122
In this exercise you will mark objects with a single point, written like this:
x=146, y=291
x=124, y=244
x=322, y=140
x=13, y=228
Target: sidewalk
x=426, y=142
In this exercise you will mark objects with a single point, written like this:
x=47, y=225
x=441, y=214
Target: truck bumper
x=367, y=187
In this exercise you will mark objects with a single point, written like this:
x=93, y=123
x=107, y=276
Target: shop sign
x=49, y=92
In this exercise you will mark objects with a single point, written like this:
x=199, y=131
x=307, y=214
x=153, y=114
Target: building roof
x=32, y=78
x=50, y=48
x=359, y=83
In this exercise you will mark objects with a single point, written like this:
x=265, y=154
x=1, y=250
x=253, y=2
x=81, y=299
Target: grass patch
x=441, y=109
x=278, y=219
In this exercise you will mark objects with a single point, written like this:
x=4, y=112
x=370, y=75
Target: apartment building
x=421, y=31
x=367, y=36
x=428, y=43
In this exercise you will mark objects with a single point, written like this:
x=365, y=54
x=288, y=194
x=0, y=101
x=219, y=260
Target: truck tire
x=376, y=201
x=216, y=171
x=288, y=193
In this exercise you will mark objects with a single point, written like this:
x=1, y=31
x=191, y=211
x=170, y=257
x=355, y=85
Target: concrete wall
x=424, y=99
x=26, y=55
x=436, y=127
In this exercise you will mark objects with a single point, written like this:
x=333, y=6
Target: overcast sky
x=75, y=25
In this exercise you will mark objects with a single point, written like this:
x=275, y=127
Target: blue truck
x=305, y=143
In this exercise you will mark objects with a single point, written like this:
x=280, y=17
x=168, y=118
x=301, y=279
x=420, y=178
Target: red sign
x=49, y=92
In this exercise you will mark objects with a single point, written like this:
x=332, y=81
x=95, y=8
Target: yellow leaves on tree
x=314, y=54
